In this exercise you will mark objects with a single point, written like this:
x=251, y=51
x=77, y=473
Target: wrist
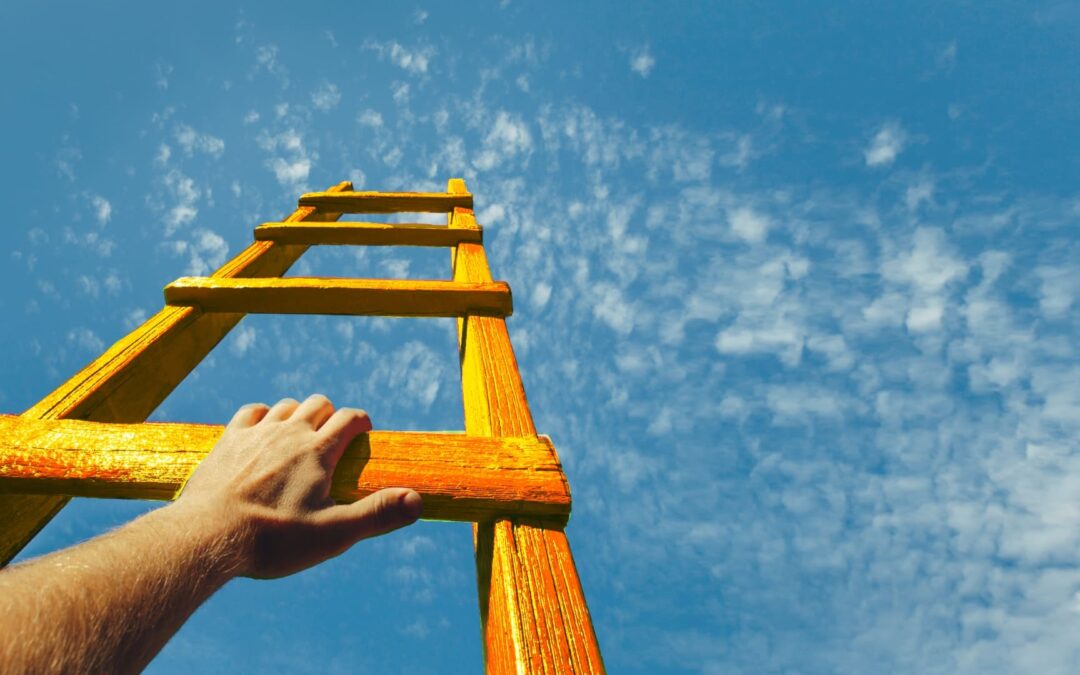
x=214, y=541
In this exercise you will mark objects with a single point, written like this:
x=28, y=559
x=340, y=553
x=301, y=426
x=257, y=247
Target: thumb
x=378, y=513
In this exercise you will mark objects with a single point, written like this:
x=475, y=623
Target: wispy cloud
x=326, y=96
x=291, y=160
x=192, y=141
x=185, y=196
x=413, y=60
x=886, y=144
x=102, y=209
x=642, y=61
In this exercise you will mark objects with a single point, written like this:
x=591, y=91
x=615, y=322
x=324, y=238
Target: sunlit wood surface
x=356, y=297
x=462, y=478
x=366, y=234
x=532, y=608
x=387, y=202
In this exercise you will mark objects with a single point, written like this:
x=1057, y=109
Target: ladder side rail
x=133, y=377
x=533, y=613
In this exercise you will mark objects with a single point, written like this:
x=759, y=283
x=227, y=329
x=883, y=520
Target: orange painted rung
x=367, y=234
x=462, y=478
x=355, y=297
x=386, y=202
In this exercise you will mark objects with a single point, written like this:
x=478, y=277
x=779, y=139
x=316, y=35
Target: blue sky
x=795, y=292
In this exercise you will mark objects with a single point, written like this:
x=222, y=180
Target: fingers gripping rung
x=356, y=297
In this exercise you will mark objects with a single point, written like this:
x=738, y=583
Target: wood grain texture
x=366, y=234
x=532, y=608
x=128, y=381
x=461, y=478
x=387, y=202
x=356, y=297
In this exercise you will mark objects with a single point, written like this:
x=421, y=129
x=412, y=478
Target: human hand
x=266, y=484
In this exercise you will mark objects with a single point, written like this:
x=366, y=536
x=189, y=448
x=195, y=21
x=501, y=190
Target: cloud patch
x=886, y=145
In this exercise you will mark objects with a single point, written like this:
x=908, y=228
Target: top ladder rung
x=386, y=202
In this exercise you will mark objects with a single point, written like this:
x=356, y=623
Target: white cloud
x=740, y=155
x=326, y=96
x=289, y=173
x=206, y=251
x=163, y=154
x=508, y=138
x=763, y=335
x=191, y=141
x=748, y=225
x=369, y=118
x=292, y=162
x=86, y=340
x=642, y=62
x=414, y=371
x=242, y=340
x=611, y=307
x=185, y=195
x=887, y=143
x=88, y=285
x=266, y=59
x=926, y=315
x=102, y=209
x=541, y=293
x=412, y=60
x=1057, y=289
x=162, y=71
x=919, y=192
x=92, y=241
x=797, y=404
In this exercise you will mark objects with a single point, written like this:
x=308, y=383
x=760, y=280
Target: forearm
x=110, y=604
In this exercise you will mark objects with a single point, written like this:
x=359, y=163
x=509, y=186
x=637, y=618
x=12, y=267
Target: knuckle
x=355, y=413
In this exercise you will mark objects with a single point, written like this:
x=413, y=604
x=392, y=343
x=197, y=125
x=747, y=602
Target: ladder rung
x=465, y=478
x=357, y=297
x=386, y=202
x=367, y=234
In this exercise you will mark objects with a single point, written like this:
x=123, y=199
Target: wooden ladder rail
x=133, y=377
x=533, y=613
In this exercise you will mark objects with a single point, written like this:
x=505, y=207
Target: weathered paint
x=366, y=234
x=461, y=478
x=327, y=295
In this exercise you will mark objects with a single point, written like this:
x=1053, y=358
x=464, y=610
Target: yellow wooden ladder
x=89, y=436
